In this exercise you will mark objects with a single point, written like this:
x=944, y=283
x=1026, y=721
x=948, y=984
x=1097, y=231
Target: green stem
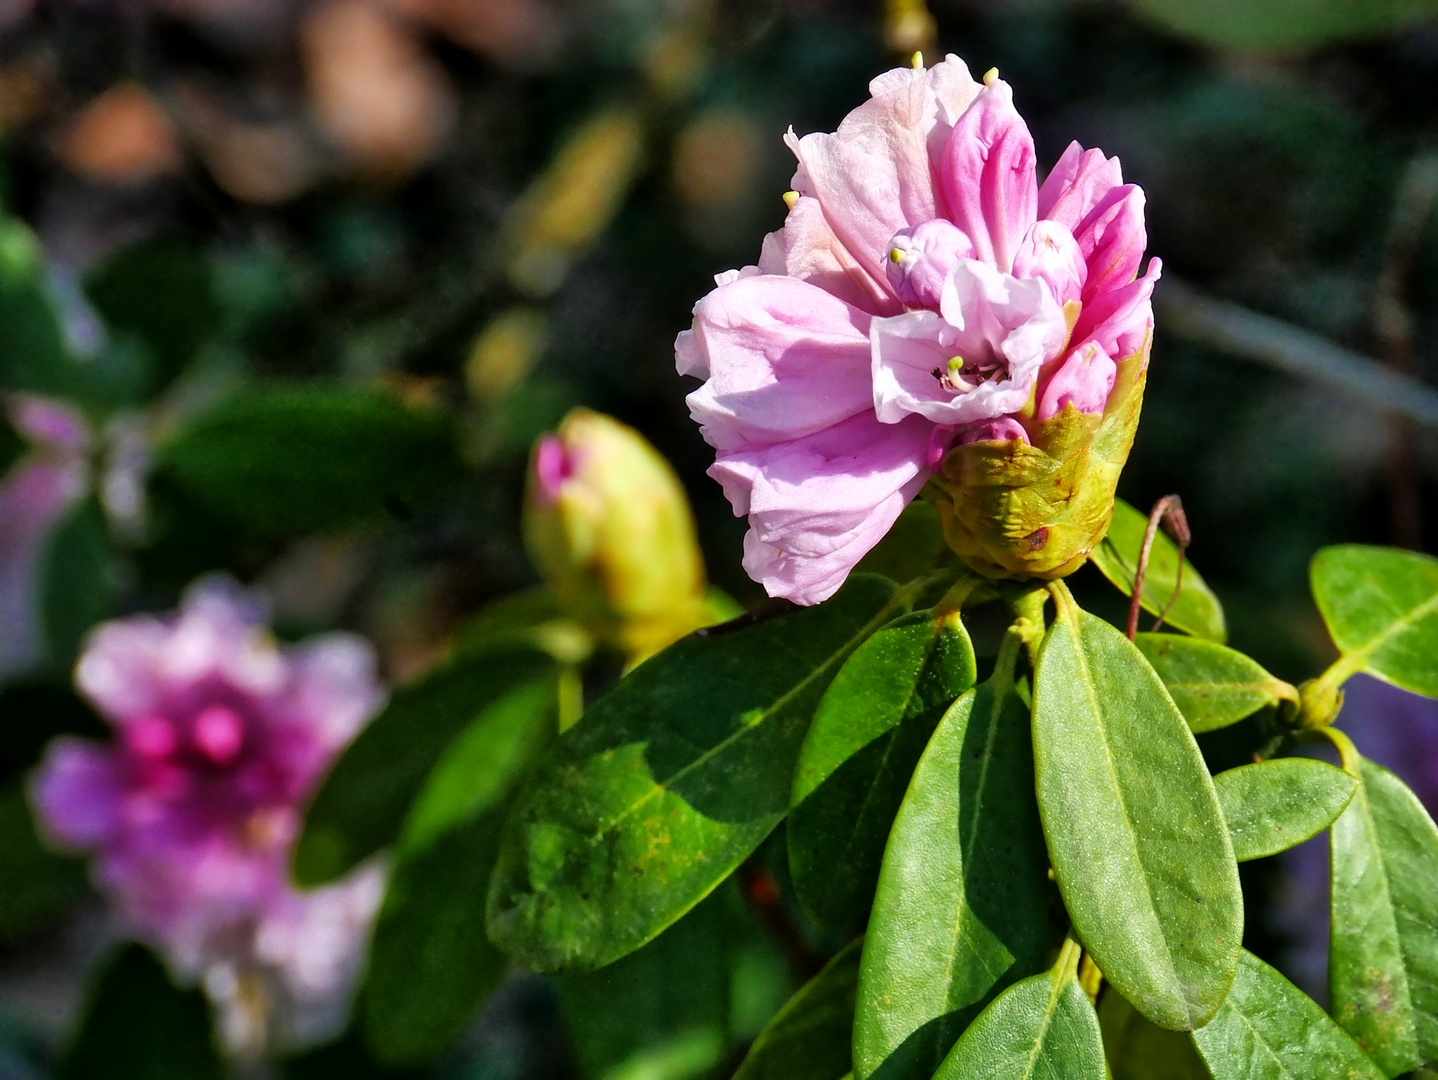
x=1030, y=625
x=1348, y=754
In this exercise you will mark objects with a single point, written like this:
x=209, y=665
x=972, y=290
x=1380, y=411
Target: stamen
x=790, y=198
x=991, y=76
x=918, y=61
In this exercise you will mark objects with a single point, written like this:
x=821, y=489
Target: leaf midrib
x=1090, y=692
x=1056, y=990
x=1358, y=658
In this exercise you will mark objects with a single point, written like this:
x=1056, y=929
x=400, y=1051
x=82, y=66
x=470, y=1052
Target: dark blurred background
x=499, y=209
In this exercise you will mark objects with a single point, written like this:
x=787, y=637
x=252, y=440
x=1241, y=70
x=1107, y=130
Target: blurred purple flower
x=1398, y=730
x=41, y=488
x=193, y=810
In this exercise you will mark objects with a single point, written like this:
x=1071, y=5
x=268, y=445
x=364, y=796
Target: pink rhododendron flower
x=924, y=293
x=193, y=810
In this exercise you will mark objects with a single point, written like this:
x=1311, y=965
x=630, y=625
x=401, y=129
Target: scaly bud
x=608, y=525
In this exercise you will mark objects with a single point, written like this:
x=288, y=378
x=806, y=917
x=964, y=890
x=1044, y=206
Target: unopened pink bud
x=1083, y=381
x=921, y=258
x=552, y=467
x=219, y=734
x=152, y=737
x=1049, y=251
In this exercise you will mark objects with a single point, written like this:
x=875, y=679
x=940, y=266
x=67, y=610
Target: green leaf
x=431, y=964
x=362, y=804
x=79, y=581
x=1196, y=610
x=1212, y=685
x=1274, y=805
x=1042, y=1028
x=1134, y=829
x=962, y=904
x=161, y=291
x=810, y=1037
x=1381, y=606
x=1139, y=1050
x=139, y=1026
x=33, y=354
x=1281, y=24
x=39, y=885
x=289, y=461
x=868, y=732
x=673, y=990
x=1268, y=1029
x=480, y=767
x=1383, y=952
x=668, y=783
x=912, y=547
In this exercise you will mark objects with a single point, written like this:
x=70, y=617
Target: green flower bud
x=1036, y=509
x=607, y=523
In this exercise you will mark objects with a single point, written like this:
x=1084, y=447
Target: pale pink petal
x=785, y=359
x=76, y=793
x=1050, y=252
x=1079, y=181
x=806, y=248
x=818, y=504
x=988, y=178
x=921, y=259
x=334, y=687
x=874, y=176
x=1002, y=429
x=1112, y=239
x=1121, y=320
x=1083, y=380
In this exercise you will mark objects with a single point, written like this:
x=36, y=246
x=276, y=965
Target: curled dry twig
x=1168, y=510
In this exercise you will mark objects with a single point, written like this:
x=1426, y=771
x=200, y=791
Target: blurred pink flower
x=34, y=496
x=925, y=291
x=193, y=810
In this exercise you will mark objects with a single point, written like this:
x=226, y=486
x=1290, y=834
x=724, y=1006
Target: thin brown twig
x=1168, y=510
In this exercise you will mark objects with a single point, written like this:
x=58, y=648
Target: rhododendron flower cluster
x=926, y=294
x=193, y=810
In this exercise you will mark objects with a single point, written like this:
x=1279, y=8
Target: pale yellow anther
x=918, y=61
x=991, y=76
x=790, y=198
x=896, y=255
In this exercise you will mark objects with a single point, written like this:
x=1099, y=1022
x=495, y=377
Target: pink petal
x=1050, y=252
x=786, y=359
x=874, y=176
x=921, y=259
x=816, y=505
x=1002, y=429
x=1112, y=239
x=806, y=248
x=76, y=793
x=1083, y=380
x=988, y=177
x=334, y=688
x=1120, y=321
x=1079, y=181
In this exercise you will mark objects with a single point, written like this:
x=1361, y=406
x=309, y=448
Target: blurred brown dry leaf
x=376, y=94
x=256, y=161
x=716, y=159
x=516, y=33
x=121, y=137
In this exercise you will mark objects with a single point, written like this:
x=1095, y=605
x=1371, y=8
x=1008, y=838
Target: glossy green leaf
x=962, y=904
x=1137, y=1049
x=79, y=581
x=34, y=356
x=1135, y=833
x=479, y=767
x=868, y=732
x=1381, y=606
x=810, y=1037
x=664, y=1005
x=1383, y=952
x=1212, y=685
x=1196, y=610
x=1042, y=1028
x=138, y=1025
x=364, y=800
x=668, y=783
x=1268, y=1029
x=1282, y=24
x=431, y=964
x=1273, y=805
x=290, y=461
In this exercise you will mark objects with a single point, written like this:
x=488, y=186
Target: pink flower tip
x=553, y=465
